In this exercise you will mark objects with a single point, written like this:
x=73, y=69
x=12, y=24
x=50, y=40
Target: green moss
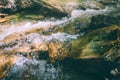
x=92, y=44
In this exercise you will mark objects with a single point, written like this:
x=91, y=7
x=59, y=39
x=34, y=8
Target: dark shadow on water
x=91, y=69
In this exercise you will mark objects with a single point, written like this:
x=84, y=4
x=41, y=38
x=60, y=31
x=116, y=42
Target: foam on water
x=11, y=4
x=45, y=25
x=33, y=69
x=37, y=39
x=62, y=37
x=90, y=12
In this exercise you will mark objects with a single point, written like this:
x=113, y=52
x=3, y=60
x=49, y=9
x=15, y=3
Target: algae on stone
x=95, y=44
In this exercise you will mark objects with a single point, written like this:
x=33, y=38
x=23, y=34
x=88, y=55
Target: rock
x=6, y=61
x=56, y=51
x=102, y=42
x=111, y=18
x=3, y=20
x=18, y=41
x=96, y=44
x=65, y=6
x=34, y=16
x=15, y=38
x=2, y=15
x=92, y=5
x=7, y=18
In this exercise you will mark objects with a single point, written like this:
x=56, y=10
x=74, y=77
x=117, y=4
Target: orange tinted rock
x=5, y=63
x=56, y=51
x=3, y=20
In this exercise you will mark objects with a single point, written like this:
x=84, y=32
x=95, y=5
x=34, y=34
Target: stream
x=68, y=69
x=42, y=45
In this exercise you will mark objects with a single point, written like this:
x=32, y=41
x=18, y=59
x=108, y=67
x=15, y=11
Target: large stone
x=64, y=6
x=111, y=18
x=102, y=42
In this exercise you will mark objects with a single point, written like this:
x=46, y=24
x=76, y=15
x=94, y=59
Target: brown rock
x=5, y=63
x=56, y=51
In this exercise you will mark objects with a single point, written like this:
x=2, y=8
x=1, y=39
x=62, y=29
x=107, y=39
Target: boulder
x=109, y=19
x=103, y=42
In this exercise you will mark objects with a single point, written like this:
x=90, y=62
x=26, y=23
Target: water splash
x=11, y=4
x=48, y=24
x=45, y=25
x=62, y=37
x=32, y=69
x=90, y=12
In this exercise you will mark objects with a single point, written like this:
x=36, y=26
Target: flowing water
x=41, y=69
x=68, y=69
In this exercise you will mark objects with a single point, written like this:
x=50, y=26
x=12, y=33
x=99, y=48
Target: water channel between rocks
x=55, y=42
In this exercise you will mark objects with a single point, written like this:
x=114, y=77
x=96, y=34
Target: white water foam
x=47, y=25
x=62, y=37
x=36, y=69
x=44, y=25
x=11, y=4
x=90, y=12
x=38, y=39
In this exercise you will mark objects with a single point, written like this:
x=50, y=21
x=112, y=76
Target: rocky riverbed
x=59, y=40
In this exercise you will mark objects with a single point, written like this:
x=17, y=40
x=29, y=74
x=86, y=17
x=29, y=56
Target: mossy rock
x=95, y=44
x=112, y=18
